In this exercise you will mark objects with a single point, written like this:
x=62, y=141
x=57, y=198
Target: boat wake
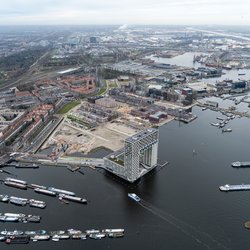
x=200, y=237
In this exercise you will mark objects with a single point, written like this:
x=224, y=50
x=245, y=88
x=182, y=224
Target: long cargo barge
x=239, y=164
x=73, y=198
x=227, y=187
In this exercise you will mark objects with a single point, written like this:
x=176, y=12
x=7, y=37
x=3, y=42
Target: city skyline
x=129, y=12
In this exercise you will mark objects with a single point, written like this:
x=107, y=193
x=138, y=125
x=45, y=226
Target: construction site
x=99, y=123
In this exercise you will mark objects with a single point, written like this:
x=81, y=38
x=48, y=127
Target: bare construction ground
x=110, y=135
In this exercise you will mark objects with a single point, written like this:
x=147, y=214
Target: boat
x=59, y=232
x=15, y=184
x=18, y=201
x=97, y=236
x=18, y=239
x=204, y=108
x=11, y=233
x=215, y=124
x=38, y=237
x=73, y=198
x=134, y=197
x=220, y=118
x=238, y=164
x=16, y=181
x=120, y=230
x=14, y=215
x=92, y=231
x=81, y=236
x=45, y=191
x=36, y=203
x=32, y=218
x=2, y=238
x=37, y=232
x=227, y=130
x=241, y=74
x=228, y=187
x=4, y=198
x=115, y=235
x=37, y=186
x=5, y=218
x=73, y=231
x=58, y=237
x=61, y=191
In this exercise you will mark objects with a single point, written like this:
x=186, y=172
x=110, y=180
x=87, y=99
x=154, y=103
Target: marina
x=22, y=201
x=64, y=195
x=20, y=237
x=11, y=217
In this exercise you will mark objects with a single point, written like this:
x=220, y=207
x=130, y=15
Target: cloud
x=127, y=11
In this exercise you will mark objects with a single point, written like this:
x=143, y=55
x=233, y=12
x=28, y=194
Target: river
x=182, y=206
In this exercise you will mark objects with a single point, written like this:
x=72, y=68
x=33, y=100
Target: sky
x=176, y=12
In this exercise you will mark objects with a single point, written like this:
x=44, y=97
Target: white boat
x=73, y=231
x=36, y=203
x=4, y=198
x=11, y=233
x=16, y=181
x=58, y=237
x=38, y=237
x=97, y=236
x=134, y=197
x=45, y=191
x=5, y=218
x=215, y=124
x=92, y=231
x=18, y=201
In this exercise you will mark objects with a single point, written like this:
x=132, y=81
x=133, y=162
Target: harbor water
x=181, y=208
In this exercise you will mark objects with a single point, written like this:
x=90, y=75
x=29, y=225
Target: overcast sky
x=125, y=12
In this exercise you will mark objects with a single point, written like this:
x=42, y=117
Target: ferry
x=239, y=164
x=134, y=197
x=228, y=187
x=61, y=191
